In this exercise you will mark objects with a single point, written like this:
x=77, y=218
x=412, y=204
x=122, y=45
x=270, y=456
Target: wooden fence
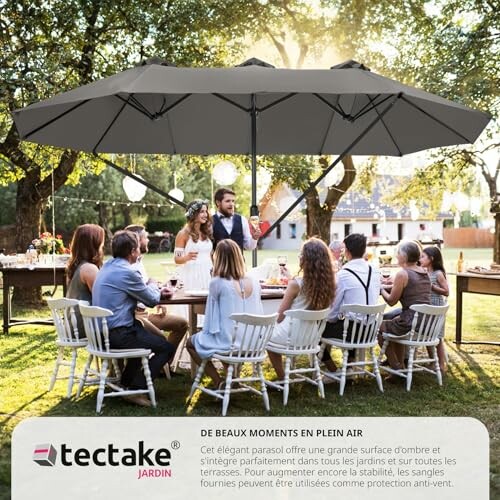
x=468, y=237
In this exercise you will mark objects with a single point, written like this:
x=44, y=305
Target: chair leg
x=60, y=357
x=199, y=374
x=319, y=379
x=102, y=385
x=437, y=368
x=227, y=389
x=263, y=388
x=376, y=370
x=72, y=368
x=149, y=380
x=84, y=375
x=409, y=373
x=286, y=380
x=343, y=376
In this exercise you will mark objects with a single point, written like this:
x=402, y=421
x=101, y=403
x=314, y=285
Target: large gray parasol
x=252, y=109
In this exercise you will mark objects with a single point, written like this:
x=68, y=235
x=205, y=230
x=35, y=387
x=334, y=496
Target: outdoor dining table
x=487, y=284
x=197, y=303
x=29, y=276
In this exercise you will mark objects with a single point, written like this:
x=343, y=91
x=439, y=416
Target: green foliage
x=172, y=223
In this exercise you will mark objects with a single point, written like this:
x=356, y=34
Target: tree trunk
x=496, y=247
x=318, y=217
x=29, y=208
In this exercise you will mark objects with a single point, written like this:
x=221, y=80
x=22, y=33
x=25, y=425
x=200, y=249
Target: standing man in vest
x=357, y=283
x=230, y=225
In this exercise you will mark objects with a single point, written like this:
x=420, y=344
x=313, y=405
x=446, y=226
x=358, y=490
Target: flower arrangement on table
x=47, y=244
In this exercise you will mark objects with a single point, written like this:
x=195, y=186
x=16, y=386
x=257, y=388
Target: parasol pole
x=254, y=209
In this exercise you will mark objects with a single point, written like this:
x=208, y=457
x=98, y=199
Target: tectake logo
x=45, y=454
x=157, y=461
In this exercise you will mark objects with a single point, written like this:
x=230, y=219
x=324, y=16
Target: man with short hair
x=357, y=283
x=118, y=287
x=229, y=225
x=161, y=321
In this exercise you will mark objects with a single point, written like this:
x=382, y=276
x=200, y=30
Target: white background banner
x=272, y=458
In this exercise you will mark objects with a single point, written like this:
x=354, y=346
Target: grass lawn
x=471, y=387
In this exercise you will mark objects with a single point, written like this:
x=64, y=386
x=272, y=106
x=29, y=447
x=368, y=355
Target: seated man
x=357, y=283
x=118, y=287
x=160, y=321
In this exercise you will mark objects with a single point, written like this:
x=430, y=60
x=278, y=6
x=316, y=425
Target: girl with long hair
x=193, y=246
x=86, y=259
x=314, y=291
x=230, y=291
x=87, y=253
x=432, y=260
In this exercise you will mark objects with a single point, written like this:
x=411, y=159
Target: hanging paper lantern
x=225, y=173
x=177, y=194
x=134, y=190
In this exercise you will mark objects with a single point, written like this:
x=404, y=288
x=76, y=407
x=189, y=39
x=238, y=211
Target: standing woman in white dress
x=193, y=247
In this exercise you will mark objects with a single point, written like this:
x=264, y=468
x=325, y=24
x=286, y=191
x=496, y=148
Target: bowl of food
x=385, y=260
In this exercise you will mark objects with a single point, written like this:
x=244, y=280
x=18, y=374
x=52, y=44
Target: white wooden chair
x=250, y=335
x=96, y=329
x=364, y=324
x=68, y=338
x=303, y=338
x=426, y=326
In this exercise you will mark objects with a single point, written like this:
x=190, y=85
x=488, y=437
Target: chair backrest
x=428, y=322
x=251, y=333
x=363, y=322
x=65, y=320
x=306, y=328
x=96, y=326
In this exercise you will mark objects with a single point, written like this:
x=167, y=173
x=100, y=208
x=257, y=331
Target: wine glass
x=173, y=281
x=282, y=261
x=255, y=221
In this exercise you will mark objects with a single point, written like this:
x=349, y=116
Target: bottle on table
x=460, y=263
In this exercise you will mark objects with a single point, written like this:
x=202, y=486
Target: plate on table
x=196, y=293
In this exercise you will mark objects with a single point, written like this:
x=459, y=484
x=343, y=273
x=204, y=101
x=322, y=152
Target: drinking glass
x=282, y=260
x=255, y=221
x=173, y=281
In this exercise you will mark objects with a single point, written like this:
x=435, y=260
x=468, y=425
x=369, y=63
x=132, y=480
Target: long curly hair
x=318, y=283
x=85, y=247
x=192, y=211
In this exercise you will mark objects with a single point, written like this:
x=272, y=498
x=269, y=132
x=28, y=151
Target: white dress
x=196, y=273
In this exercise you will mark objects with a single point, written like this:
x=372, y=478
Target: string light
x=113, y=203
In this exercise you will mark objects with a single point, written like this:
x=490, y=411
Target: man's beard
x=226, y=213
x=144, y=249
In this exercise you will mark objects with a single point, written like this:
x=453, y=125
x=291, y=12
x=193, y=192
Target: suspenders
x=361, y=281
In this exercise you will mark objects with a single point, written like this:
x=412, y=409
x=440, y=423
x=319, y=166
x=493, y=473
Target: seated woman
x=86, y=259
x=315, y=290
x=230, y=291
x=411, y=286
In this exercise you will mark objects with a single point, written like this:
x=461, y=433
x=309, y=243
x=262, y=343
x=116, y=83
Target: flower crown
x=195, y=207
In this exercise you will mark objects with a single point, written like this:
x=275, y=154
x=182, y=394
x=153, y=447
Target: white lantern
x=177, y=194
x=134, y=190
x=225, y=173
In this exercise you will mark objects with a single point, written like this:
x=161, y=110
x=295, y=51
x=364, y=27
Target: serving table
x=29, y=277
x=485, y=284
